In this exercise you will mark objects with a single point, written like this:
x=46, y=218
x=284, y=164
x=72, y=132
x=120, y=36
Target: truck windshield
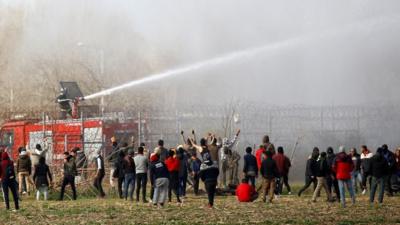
x=7, y=138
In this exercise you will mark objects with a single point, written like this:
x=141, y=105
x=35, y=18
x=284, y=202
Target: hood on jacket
x=343, y=157
x=154, y=157
x=4, y=156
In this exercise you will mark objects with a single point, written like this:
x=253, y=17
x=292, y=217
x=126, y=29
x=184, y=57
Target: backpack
x=9, y=172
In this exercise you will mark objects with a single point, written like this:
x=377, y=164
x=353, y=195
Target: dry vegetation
x=286, y=210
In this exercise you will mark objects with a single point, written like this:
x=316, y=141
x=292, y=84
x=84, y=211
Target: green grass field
x=286, y=210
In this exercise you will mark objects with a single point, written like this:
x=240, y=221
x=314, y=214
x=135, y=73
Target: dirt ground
x=289, y=209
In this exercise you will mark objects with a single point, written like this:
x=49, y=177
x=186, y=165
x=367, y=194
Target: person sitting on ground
x=41, y=176
x=246, y=192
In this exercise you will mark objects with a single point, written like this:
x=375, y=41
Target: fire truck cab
x=59, y=136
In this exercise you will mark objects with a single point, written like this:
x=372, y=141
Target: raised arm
x=197, y=147
x=183, y=138
x=194, y=137
x=232, y=142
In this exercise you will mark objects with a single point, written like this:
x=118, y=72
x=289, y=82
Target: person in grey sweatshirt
x=142, y=163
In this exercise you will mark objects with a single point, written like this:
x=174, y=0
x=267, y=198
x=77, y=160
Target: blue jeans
x=374, y=186
x=129, y=181
x=349, y=185
x=182, y=186
x=356, y=178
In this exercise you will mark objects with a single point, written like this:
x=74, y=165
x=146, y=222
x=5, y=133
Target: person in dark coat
x=331, y=180
x=24, y=169
x=69, y=175
x=322, y=173
x=311, y=171
x=209, y=175
x=119, y=172
x=365, y=158
x=182, y=156
x=391, y=162
x=8, y=181
x=250, y=168
x=100, y=173
x=269, y=172
x=41, y=177
x=379, y=170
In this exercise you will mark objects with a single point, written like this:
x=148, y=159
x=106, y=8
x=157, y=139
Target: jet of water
x=363, y=26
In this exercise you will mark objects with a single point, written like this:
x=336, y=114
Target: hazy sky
x=355, y=62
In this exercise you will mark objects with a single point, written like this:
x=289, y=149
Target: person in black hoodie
x=379, y=170
x=250, y=168
x=331, y=178
x=119, y=172
x=40, y=175
x=269, y=172
x=391, y=163
x=322, y=173
x=311, y=171
x=209, y=175
x=69, y=175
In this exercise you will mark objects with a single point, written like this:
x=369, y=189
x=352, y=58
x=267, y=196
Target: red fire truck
x=63, y=135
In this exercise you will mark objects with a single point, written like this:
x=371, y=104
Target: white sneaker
x=364, y=192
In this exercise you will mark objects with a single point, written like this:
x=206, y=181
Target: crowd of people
x=209, y=160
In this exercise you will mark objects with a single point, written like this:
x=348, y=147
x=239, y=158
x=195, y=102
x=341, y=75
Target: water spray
x=351, y=28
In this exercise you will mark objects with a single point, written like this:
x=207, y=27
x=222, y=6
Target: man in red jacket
x=343, y=167
x=283, y=164
x=246, y=192
x=172, y=164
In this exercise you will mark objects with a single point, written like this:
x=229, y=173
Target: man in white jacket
x=37, y=153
